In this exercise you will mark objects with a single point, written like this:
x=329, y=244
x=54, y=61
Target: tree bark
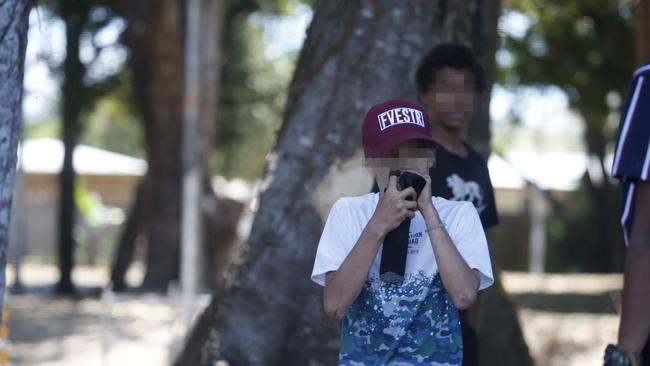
x=13, y=43
x=156, y=37
x=509, y=346
x=215, y=216
x=484, y=43
x=72, y=95
x=642, y=31
x=136, y=223
x=164, y=96
x=602, y=193
x=356, y=54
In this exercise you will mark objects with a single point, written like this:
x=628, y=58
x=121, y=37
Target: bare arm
x=635, y=318
x=461, y=282
x=344, y=285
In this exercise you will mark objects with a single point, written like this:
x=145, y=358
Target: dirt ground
x=91, y=329
x=567, y=320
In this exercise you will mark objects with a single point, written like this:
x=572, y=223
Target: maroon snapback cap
x=392, y=122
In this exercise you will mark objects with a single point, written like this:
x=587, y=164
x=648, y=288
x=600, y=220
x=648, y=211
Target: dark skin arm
x=635, y=318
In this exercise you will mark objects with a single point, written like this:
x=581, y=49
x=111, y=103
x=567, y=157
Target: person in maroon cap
x=392, y=312
x=449, y=80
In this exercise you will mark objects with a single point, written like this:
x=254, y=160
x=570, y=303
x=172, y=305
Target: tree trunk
x=13, y=42
x=501, y=340
x=610, y=239
x=136, y=223
x=356, y=53
x=164, y=96
x=213, y=208
x=642, y=31
x=156, y=38
x=72, y=93
x=509, y=347
x=484, y=43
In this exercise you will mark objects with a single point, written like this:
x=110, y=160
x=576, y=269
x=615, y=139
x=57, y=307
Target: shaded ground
x=566, y=319
x=87, y=330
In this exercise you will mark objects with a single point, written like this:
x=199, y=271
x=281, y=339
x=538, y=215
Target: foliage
x=253, y=90
x=585, y=47
x=107, y=113
x=113, y=124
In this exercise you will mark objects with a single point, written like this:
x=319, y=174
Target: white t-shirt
x=404, y=322
x=350, y=215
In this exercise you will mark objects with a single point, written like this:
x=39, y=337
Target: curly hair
x=451, y=55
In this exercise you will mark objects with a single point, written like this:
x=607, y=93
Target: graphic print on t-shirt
x=414, y=241
x=469, y=191
x=408, y=323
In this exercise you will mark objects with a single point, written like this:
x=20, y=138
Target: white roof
x=45, y=156
x=553, y=170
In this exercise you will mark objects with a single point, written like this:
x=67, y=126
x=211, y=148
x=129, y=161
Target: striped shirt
x=632, y=156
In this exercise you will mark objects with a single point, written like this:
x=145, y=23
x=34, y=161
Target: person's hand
x=393, y=207
x=425, y=205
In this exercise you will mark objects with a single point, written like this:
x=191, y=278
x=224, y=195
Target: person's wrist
x=430, y=215
x=376, y=229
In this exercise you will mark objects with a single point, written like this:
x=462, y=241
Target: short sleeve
x=490, y=216
x=335, y=243
x=468, y=236
x=632, y=155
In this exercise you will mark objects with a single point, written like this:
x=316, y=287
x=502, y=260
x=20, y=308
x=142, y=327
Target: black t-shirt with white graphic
x=459, y=178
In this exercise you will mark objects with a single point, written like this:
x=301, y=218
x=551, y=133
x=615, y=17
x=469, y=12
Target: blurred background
x=94, y=270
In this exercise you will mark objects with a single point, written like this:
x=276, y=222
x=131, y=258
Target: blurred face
x=413, y=155
x=450, y=101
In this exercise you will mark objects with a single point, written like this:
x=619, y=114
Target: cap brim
x=382, y=148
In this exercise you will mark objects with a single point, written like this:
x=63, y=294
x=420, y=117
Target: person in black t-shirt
x=449, y=81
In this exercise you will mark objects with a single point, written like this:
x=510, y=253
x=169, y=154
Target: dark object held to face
x=408, y=179
x=395, y=248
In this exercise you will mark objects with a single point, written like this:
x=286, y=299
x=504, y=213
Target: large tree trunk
x=72, y=95
x=356, y=54
x=13, y=42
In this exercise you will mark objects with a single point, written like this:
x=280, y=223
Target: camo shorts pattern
x=409, y=322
